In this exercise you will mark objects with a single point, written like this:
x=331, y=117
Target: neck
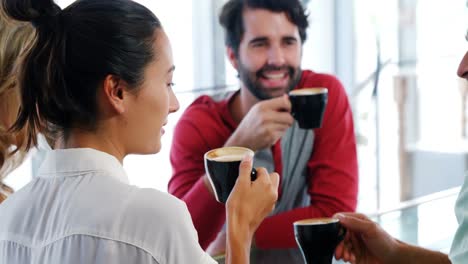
x=99, y=140
x=242, y=103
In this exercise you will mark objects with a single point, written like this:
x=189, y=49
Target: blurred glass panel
x=409, y=125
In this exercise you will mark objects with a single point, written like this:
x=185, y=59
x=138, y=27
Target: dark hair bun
x=38, y=12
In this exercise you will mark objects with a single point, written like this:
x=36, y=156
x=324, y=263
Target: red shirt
x=332, y=168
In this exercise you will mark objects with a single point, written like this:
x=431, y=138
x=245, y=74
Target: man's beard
x=252, y=82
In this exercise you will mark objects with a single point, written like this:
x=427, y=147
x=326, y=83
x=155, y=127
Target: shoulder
x=207, y=115
x=156, y=216
x=461, y=209
x=459, y=251
x=164, y=227
x=159, y=224
x=149, y=204
x=204, y=111
x=336, y=92
x=208, y=103
x=203, y=104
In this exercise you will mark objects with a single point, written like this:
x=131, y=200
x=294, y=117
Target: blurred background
x=398, y=62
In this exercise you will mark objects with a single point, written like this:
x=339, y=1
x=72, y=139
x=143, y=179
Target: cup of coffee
x=222, y=169
x=317, y=238
x=308, y=106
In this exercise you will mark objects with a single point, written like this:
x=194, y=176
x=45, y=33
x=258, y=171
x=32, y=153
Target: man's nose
x=276, y=56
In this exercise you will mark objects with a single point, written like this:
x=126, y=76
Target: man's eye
x=170, y=85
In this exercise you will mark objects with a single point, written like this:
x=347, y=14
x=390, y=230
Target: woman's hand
x=248, y=204
x=365, y=241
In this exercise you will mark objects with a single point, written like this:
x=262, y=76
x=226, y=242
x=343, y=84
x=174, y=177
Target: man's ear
x=114, y=92
x=232, y=57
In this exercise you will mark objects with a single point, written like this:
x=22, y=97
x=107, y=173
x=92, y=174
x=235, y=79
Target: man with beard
x=318, y=167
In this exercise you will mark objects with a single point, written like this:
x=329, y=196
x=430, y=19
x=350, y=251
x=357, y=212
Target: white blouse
x=81, y=209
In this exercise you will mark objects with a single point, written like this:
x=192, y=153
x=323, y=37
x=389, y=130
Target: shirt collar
x=70, y=162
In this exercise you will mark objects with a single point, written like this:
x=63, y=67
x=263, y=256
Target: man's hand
x=264, y=124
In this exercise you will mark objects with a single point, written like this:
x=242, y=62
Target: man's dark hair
x=231, y=17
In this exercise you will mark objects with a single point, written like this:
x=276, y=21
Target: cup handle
x=253, y=174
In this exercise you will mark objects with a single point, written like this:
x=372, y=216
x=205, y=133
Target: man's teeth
x=274, y=76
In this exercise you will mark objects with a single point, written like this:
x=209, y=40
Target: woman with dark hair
x=100, y=74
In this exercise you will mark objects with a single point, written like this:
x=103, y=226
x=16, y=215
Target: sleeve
x=459, y=251
x=332, y=169
x=186, y=155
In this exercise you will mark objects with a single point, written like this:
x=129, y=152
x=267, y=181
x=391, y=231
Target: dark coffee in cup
x=308, y=106
x=317, y=238
x=222, y=169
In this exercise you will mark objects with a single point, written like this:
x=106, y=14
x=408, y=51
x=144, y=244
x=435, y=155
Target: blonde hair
x=15, y=39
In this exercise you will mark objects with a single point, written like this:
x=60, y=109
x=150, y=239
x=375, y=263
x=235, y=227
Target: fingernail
x=248, y=157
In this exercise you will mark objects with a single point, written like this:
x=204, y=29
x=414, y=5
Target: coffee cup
x=317, y=238
x=308, y=106
x=222, y=169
